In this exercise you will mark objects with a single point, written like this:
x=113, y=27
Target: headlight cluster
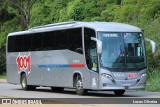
x=107, y=76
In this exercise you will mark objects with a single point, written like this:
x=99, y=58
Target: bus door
x=94, y=68
x=91, y=57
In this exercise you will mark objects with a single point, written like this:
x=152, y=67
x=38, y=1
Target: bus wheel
x=79, y=87
x=24, y=83
x=57, y=89
x=119, y=92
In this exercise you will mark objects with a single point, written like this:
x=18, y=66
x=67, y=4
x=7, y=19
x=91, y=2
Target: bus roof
x=97, y=26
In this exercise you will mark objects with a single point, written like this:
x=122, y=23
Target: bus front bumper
x=109, y=87
x=135, y=84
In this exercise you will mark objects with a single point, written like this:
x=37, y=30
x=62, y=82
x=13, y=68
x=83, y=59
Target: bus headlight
x=143, y=75
x=107, y=76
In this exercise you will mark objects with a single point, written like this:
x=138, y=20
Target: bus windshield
x=122, y=50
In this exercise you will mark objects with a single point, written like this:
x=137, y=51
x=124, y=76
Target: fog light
x=104, y=84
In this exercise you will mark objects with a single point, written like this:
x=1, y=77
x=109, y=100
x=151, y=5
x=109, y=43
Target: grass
x=153, y=82
x=3, y=76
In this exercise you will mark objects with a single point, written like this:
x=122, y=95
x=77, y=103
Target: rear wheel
x=119, y=92
x=24, y=84
x=57, y=89
x=79, y=86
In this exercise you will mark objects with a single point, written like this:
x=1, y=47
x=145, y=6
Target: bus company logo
x=23, y=63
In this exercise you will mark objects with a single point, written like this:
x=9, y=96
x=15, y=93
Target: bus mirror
x=99, y=45
x=154, y=45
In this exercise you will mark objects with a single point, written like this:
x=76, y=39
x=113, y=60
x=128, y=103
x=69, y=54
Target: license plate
x=132, y=75
x=126, y=84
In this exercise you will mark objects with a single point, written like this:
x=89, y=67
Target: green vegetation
x=3, y=76
x=17, y=15
x=153, y=80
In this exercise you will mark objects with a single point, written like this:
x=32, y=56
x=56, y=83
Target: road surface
x=10, y=90
x=14, y=91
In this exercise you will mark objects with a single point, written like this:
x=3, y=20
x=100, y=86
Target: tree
x=76, y=10
x=16, y=15
x=22, y=8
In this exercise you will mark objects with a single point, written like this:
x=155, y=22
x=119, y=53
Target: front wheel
x=119, y=92
x=79, y=87
x=24, y=84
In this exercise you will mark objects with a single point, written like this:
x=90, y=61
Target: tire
x=57, y=89
x=119, y=92
x=24, y=83
x=79, y=87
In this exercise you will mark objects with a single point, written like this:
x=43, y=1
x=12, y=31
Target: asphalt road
x=14, y=91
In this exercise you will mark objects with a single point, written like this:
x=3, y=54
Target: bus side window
x=61, y=39
x=11, y=44
x=37, y=40
x=75, y=40
x=27, y=42
x=48, y=40
x=19, y=43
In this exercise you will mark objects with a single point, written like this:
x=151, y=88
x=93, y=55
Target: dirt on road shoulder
x=3, y=80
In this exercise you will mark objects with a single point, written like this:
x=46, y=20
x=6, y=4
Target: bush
x=153, y=80
x=2, y=61
x=154, y=60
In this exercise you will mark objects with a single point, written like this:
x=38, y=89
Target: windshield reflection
x=122, y=50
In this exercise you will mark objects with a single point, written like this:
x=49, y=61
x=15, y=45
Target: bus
x=85, y=56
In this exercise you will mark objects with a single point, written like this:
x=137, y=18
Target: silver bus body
x=59, y=67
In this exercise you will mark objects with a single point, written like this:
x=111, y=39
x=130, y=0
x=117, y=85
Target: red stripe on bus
x=77, y=65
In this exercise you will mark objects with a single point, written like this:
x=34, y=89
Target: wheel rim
x=79, y=85
x=23, y=82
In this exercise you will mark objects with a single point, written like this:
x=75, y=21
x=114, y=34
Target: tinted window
x=48, y=41
x=37, y=40
x=75, y=40
x=27, y=42
x=19, y=43
x=11, y=43
x=61, y=39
